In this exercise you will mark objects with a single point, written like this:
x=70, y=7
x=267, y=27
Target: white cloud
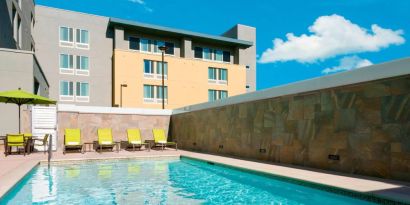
x=142, y=2
x=348, y=63
x=331, y=36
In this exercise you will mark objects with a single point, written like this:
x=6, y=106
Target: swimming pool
x=160, y=181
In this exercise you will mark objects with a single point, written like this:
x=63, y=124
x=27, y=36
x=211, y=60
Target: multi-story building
x=198, y=67
x=19, y=67
x=75, y=50
x=102, y=61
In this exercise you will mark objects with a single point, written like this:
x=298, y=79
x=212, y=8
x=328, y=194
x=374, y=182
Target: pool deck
x=13, y=168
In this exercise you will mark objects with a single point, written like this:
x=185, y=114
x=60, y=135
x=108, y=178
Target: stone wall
x=366, y=125
x=119, y=123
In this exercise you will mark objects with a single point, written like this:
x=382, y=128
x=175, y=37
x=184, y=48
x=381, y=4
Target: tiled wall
x=366, y=125
x=119, y=123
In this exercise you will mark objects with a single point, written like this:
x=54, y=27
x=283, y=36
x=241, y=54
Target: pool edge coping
x=367, y=196
x=377, y=198
x=15, y=180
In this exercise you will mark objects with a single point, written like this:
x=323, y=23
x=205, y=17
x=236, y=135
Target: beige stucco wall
x=187, y=79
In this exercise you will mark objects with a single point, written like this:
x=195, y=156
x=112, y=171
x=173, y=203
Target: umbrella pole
x=19, y=118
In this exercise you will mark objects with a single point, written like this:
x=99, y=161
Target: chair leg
x=176, y=146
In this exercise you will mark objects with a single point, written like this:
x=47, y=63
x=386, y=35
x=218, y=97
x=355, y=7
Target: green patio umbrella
x=21, y=97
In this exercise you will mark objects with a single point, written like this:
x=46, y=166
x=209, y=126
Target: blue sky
x=328, y=36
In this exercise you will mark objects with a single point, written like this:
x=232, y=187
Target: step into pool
x=161, y=181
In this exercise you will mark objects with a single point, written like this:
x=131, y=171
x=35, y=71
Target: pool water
x=160, y=181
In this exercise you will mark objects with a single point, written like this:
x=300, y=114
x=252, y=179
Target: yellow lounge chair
x=72, y=140
x=15, y=140
x=134, y=139
x=105, y=138
x=160, y=139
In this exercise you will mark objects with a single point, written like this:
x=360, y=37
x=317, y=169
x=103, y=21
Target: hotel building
x=101, y=61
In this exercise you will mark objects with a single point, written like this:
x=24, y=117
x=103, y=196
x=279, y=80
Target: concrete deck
x=14, y=167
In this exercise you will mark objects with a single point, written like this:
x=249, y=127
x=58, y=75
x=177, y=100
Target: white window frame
x=80, y=98
x=79, y=45
x=63, y=43
x=68, y=98
x=79, y=71
x=217, y=80
x=154, y=74
x=69, y=71
x=218, y=94
x=154, y=100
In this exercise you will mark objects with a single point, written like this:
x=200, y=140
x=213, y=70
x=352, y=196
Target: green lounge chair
x=72, y=140
x=160, y=139
x=15, y=140
x=134, y=139
x=105, y=138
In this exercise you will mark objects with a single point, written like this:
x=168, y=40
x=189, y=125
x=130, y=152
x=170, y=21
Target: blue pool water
x=166, y=181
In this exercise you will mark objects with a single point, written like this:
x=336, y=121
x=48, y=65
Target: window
x=82, y=36
x=19, y=32
x=207, y=53
x=153, y=93
x=66, y=34
x=222, y=74
x=159, y=68
x=66, y=88
x=32, y=22
x=148, y=67
x=82, y=62
x=66, y=61
x=226, y=56
x=159, y=92
x=148, y=91
x=157, y=45
x=217, y=75
x=134, y=43
x=214, y=95
x=170, y=50
x=218, y=55
x=223, y=94
x=212, y=73
x=14, y=19
x=36, y=87
x=198, y=52
x=82, y=89
x=145, y=45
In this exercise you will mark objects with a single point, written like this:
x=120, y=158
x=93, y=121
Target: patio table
x=88, y=145
x=150, y=143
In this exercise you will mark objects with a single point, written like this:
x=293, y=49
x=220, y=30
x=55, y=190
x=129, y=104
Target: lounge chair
x=160, y=139
x=72, y=140
x=42, y=142
x=134, y=139
x=105, y=139
x=15, y=140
